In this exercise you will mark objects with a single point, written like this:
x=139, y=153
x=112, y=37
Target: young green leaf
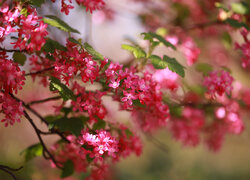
x=32, y=152
x=68, y=169
x=221, y=6
x=227, y=40
x=64, y=91
x=204, y=68
x=157, y=62
x=236, y=24
x=58, y=23
x=151, y=36
x=99, y=125
x=74, y=41
x=96, y=55
x=137, y=51
x=174, y=65
x=171, y=63
x=19, y=58
x=240, y=8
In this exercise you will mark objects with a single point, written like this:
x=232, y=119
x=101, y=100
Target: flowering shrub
x=152, y=87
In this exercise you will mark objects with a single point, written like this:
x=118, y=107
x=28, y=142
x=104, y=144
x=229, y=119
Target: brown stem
x=44, y=100
x=9, y=170
x=38, y=132
x=11, y=50
x=156, y=142
x=54, y=131
x=203, y=25
x=39, y=72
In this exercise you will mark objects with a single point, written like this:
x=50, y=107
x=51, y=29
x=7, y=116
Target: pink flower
x=218, y=82
x=114, y=84
x=190, y=50
x=12, y=109
x=11, y=77
x=245, y=48
x=91, y=5
x=128, y=98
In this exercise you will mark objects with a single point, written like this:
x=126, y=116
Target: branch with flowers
x=153, y=88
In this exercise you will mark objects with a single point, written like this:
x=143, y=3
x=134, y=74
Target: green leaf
x=151, y=36
x=52, y=118
x=240, y=8
x=24, y=12
x=74, y=41
x=171, y=63
x=137, y=51
x=96, y=55
x=73, y=125
x=89, y=159
x=37, y=3
x=157, y=62
x=99, y=125
x=64, y=91
x=19, y=58
x=128, y=133
x=68, y=169
x=204, y=68
x=174, y=65
x=138, y=103
x=50, y=46
x=227, y=40
x=221, y=6
x=182, y=11
x=32, y=152
x=236, y=24
x=66, y=110
x=58, y=23
x=198, y=89
x=176, y=110
x=226, y=69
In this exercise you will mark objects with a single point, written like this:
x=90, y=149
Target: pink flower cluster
x=31, y=29
x=245, y=48
x=12, y=109
x=90, y=5
x=90, y=151
x=190, y=50
x=89, y=102
x=138, y=94
x=218, y=82
x=69, y=63
x=228, y=120
x=11, y=77
x=187, y=129
x=101, y=142
x=231, y=117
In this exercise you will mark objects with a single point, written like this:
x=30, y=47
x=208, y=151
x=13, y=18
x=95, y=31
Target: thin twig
x=11, y=50
x=203, y=25
x=44, y=100
x=38, y=132
x=41, y=118
x=156, y=142
x=9, y=170
x=39, y=72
